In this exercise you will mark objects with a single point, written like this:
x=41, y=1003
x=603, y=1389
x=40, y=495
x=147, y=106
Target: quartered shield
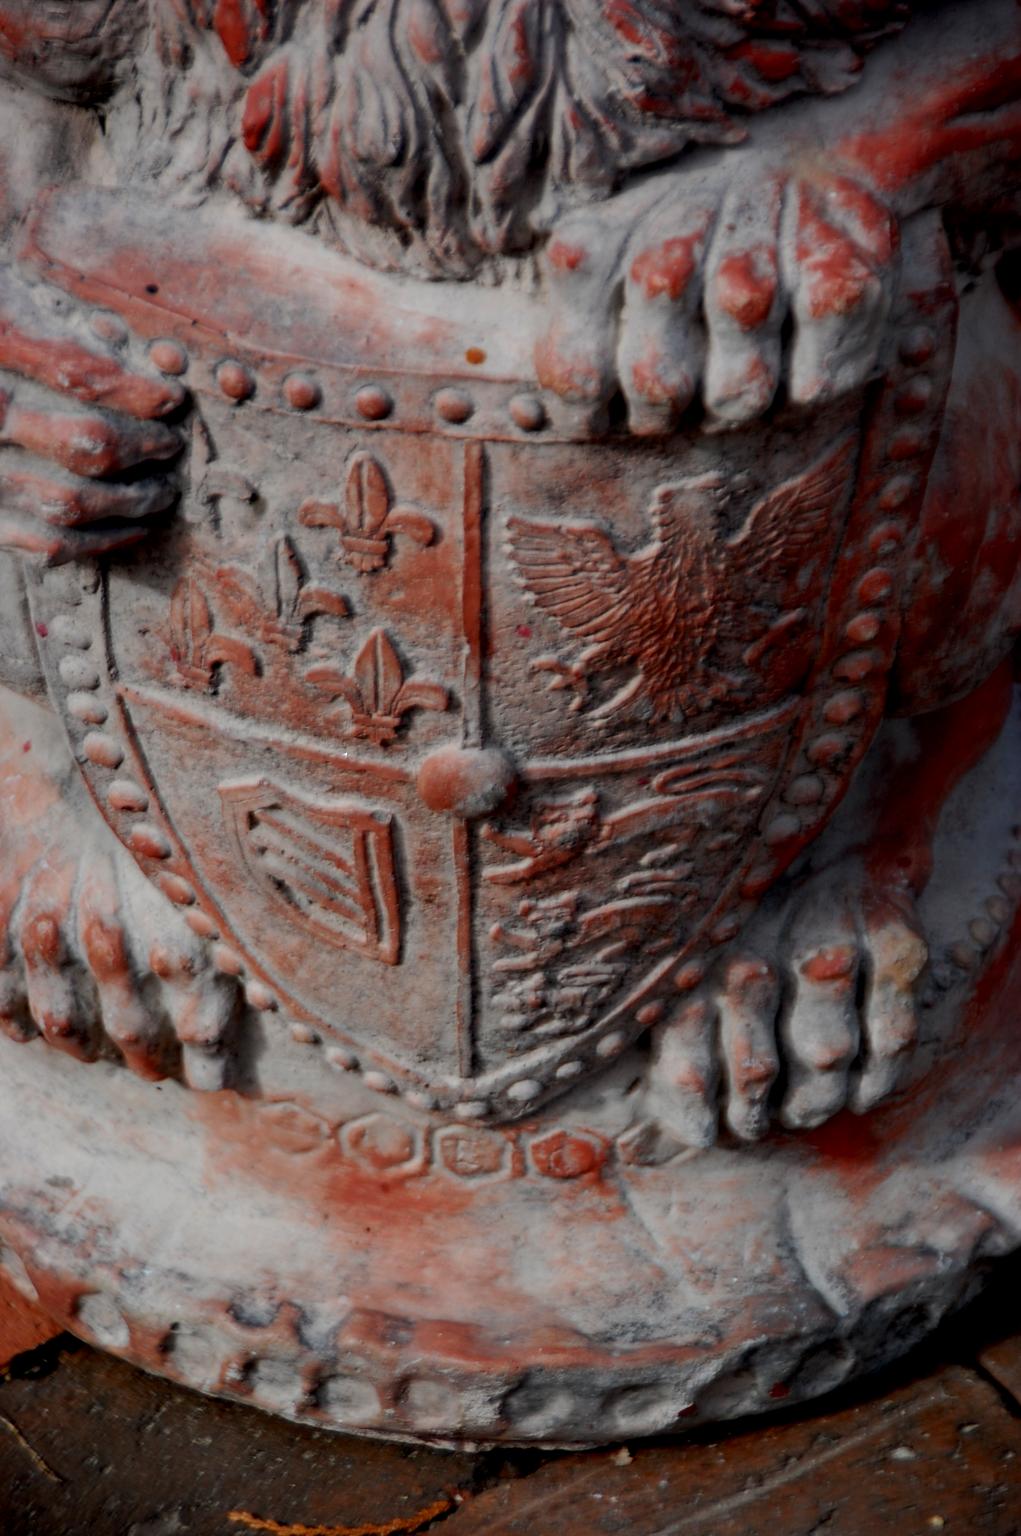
x=464, y=727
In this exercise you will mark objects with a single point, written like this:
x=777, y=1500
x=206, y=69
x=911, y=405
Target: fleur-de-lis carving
x=369, y=518
x=377, y=691
x=277, y=607
x=196, y=648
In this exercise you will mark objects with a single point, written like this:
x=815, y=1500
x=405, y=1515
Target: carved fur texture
x=434, y=133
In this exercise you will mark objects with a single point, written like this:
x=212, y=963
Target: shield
x=466, y=727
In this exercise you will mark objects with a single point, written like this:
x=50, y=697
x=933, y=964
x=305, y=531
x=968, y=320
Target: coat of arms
x=460, y=752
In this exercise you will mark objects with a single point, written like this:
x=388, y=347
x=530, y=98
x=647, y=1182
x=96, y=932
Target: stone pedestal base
x=23, y=1326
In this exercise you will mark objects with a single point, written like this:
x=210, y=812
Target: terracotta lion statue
x=710, y=197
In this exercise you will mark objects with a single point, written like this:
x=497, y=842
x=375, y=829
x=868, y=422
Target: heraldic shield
x=464, y=741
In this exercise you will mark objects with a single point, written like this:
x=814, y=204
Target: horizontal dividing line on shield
x=294, y=744
x=696, y=747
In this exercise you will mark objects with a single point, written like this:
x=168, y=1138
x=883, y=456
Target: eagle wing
x=792, y=527
x=574, y=572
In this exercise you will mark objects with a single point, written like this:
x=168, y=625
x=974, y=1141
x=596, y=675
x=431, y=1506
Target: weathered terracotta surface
x=925, y=1441
x=22, y=1326
x=510, y=535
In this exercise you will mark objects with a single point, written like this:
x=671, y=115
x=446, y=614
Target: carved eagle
x=693, y=602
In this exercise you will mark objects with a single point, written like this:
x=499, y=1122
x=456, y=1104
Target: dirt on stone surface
x=90, y=1445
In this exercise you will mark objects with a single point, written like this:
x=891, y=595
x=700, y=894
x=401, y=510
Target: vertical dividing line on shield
x=472, y=712
x=465, y=1004
x=472, y=596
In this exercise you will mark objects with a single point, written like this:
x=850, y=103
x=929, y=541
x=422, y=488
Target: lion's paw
x=829, y=1023
x=689, y=286
x=88, y=970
